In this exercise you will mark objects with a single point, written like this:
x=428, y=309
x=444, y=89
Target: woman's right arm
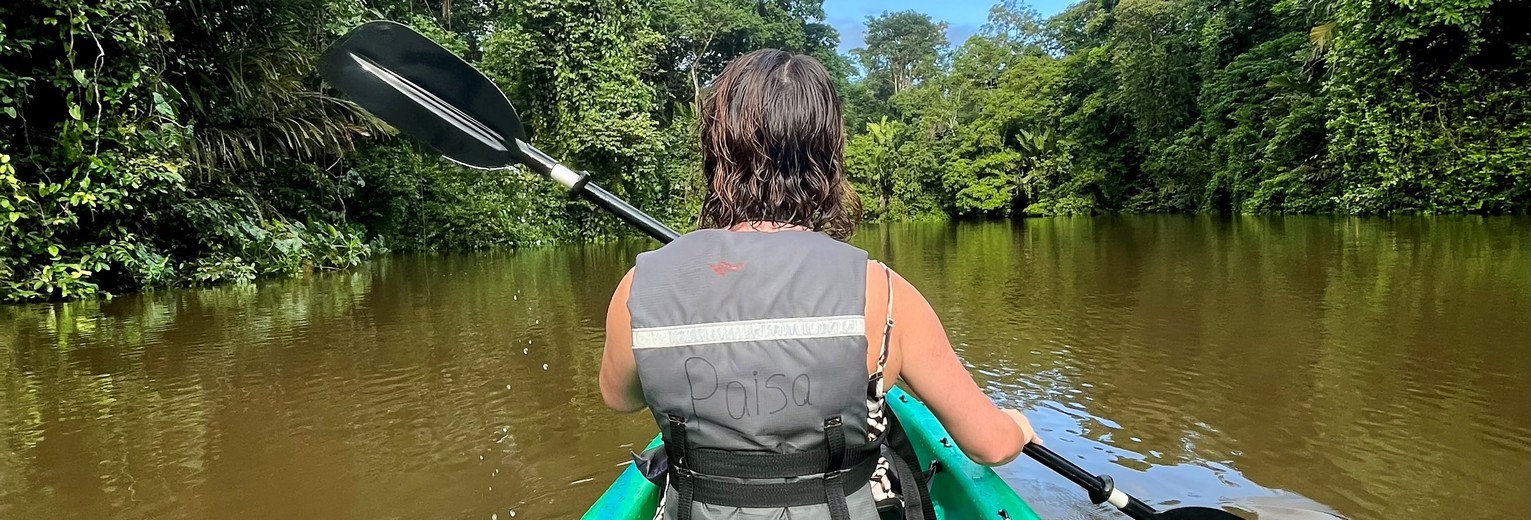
x=987, y=435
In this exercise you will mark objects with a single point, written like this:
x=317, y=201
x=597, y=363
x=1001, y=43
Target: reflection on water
x=1379, y=368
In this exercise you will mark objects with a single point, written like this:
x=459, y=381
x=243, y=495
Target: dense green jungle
x=184, y=142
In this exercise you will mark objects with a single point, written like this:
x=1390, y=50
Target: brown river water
x=1274, y=366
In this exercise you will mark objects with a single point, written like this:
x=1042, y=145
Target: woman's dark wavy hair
x=773, y=146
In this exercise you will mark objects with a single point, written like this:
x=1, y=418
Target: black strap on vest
x=803, y=492
x=708, y=461
x=834, y=490
x=845, y=471
x=911, y=495
x=680, y=468
x=918, y=486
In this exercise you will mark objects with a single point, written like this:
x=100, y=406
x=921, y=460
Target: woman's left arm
x=619, y=373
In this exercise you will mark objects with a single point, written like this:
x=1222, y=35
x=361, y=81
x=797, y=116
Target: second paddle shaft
x=1102, y=489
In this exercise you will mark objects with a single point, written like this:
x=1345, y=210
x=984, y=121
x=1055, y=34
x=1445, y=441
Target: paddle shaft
x=579, y=184
x=649, y=225
x=1101, y=488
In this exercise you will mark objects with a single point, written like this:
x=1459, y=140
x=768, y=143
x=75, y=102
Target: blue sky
x=965, y=17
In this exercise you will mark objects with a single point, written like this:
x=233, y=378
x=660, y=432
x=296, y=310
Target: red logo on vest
x=723, y=268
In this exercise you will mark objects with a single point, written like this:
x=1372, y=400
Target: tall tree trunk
x=696, y=81
x=696, y=91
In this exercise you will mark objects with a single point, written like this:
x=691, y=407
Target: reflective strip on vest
x=776, y=329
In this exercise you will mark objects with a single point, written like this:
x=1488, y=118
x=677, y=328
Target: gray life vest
x=751, y=350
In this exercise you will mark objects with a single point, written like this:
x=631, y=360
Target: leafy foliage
x=902, y=50
x=1360, y=107
x=191, y=142
x=151, y=145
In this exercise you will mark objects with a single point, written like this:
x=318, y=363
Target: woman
x=763, y=343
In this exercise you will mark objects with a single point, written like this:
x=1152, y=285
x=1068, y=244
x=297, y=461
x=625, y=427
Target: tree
x=575, y=69
x=155, y=143
x=1154, y=53
x=1429, y=106
x=902, y=49
x=702, y=36
x=1015, y=23
x=253, y=98
x=884, y=155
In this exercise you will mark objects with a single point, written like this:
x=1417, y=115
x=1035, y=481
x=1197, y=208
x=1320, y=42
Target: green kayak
x=960, y=489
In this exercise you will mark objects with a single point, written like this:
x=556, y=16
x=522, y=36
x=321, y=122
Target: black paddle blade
x=1195, y=513
x=425, y=91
